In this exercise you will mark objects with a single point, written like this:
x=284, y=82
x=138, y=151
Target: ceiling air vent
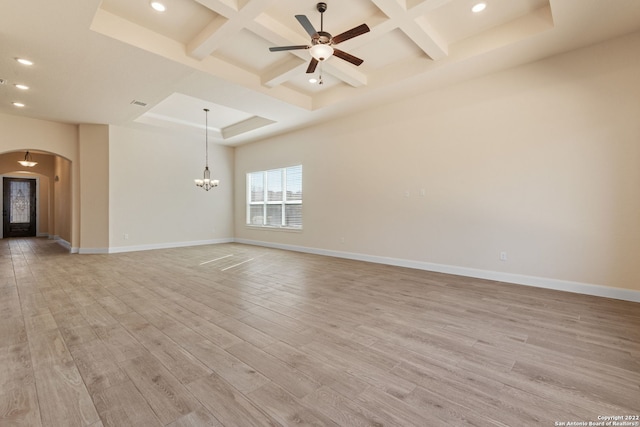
x=139, y=103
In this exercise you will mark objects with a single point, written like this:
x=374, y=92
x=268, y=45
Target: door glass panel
x=20, y=194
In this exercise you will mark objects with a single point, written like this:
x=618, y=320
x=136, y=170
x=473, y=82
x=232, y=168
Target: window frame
x=265, y=202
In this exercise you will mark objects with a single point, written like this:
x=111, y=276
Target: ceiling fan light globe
x=321, y=52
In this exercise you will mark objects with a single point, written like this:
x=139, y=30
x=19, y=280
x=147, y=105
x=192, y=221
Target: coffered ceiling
x=121, y=62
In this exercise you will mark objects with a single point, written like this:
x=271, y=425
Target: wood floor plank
x=580, y=382
x=74, y=337
x=9, y=302
x=322, y=373
x=197, y=418
x=276, y=330
x=245, y=332
x=160, y=388
x=113, y=305
x=96, y=315
x=19, y=404
x=15, y=364
x=289, y=378
x=440, y=410
x=167, y=338
x=286, y=408
x=62, y=395
x=228, y=405
x=63, y=398
x=237, y=373
x=97, y=366
x=12, y=331
x=123, y=405
x=183, y=364
x=40, y=323
x=119, y=342
x=341, y=410
x=33, y=303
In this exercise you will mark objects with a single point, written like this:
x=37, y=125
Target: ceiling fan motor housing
x=321, y=37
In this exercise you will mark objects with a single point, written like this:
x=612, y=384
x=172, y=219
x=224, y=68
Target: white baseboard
x=540, y=282
x=93, y=251
x=121, y=249
x=59, y=240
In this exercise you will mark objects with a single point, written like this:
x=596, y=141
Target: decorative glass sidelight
x=20, y=200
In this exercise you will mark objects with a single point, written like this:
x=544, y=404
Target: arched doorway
x=50, y=186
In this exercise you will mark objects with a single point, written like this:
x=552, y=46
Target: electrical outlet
x=503, y=256
x=126, y=236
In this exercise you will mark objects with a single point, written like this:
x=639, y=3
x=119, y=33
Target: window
x=274, y=198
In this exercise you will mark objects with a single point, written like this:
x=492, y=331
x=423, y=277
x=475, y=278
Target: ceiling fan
x=322, y=43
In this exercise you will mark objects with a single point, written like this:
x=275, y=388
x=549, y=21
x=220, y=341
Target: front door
x=19, y=207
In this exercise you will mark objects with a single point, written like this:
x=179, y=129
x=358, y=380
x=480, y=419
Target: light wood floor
x=238, y=335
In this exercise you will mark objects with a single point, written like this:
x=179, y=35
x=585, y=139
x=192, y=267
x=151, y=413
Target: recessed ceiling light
x=156, y=5
x=18, y=104
x=21, y=87
x=313, y=80
x=24, y=61
x=478, y=7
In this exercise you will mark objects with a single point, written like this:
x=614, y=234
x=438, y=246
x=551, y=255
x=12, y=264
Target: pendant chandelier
x=206, y=182
x=28, y=161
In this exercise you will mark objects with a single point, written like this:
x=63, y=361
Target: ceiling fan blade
x=304, y=21
x=279, y=48
x=354, y=32
x=312, y=66
x=347, y=57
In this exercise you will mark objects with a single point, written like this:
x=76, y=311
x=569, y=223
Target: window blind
x=274, y=198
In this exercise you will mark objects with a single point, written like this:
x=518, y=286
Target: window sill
x=268, y=228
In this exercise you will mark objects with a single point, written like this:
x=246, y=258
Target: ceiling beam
x=223, y=27
x=346, y=72
x=226, y=8
x=415, y=25
x=284, y=71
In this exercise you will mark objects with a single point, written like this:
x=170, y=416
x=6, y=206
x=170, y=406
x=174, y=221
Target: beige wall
x=541, y=161
x=18, y=134
x=62, y=190
x=152, y=196
x=94, y=188
x=124, y=181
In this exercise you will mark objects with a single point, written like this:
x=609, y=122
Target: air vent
x=139, y=103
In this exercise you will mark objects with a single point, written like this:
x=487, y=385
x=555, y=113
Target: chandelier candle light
x=206, y=182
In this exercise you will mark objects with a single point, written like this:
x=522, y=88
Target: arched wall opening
x=53, y=190
x=61, y=142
